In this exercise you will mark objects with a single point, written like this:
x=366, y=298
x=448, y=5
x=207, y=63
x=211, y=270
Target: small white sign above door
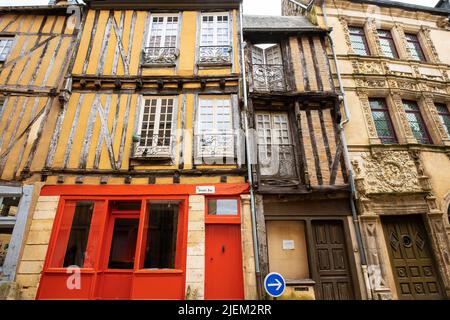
x=288, y=245
x=206, y=190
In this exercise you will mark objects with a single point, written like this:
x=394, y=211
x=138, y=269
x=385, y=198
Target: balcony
x=276, y=161
x=269, y=78
x=160, y=56
x=220, y=145
x=154, y=147
x=214, y=55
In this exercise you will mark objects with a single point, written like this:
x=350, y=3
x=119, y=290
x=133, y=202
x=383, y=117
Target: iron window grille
x=215, y=38
x=416, y=122
x=383, y=121
x=162, y=41
x=155, y=128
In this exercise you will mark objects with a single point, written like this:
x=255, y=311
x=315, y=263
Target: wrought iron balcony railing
x=276, y=160
x=215, y=145
x=160, y=55
x=268, y=77
x=155, y=146
x=214, y=55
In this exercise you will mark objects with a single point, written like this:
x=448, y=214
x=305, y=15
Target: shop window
x=223, y=207
x=444, y=115
x=416, y=122
x=161, y=46
x=123, y=244
x=359, y=41
x=382, y=120
x=414, y=47
x=287, y=249
x=387, y=44
x=161, y=232
x=79, y=233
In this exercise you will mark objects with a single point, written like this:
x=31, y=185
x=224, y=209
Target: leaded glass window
x=382, y=120
x=444, y=115
x=416, y=122
x=359, y=41
x=414, y=47
x=387, y=44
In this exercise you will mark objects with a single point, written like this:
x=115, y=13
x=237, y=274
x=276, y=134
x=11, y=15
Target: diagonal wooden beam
x=106, y=135
x=120, y=45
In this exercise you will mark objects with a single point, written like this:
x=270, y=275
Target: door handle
x=223, y=248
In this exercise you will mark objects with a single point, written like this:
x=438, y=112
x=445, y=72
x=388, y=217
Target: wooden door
x=334, y=280
x=412, y=262
x=224, y=278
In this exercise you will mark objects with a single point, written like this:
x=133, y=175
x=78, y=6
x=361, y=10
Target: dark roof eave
x=57, y=9
x=164, y=4
x=286, y=30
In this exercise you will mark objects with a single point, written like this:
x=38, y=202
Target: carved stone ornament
x=368, y=115
x=398, y=102
x=426, y=32
x=390, y=172
x=348, y=42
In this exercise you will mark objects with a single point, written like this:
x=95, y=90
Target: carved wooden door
x=334, y=276
x=413, y=266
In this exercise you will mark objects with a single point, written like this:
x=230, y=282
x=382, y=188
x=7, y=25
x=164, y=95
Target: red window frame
x=361, y=34
x=391, y=41
x=413, y=39
x=222, y=219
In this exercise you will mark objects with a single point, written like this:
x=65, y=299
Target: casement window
x=5, y=48
x=414, y=47
x=215, y=38
x=382, y=120
x=275, y=149
x=416, y=122
x=444, y=115
x=268, y=70
x=359, y=41
x=156, y=127
x=162, y=41
x=215, y=137
x=387, y=44
x=8, y=212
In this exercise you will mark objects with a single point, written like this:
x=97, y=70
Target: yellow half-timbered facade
x=144, y=194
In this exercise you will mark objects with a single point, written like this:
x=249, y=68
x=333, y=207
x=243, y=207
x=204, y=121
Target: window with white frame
x=5, y=48
x=155, y=127
x=215, y=137
x=161, y=47
x=215, y=38
x=275, y=149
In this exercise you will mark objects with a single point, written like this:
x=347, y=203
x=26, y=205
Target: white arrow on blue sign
x=274, y=284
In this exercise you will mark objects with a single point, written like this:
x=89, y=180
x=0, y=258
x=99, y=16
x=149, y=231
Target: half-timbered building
x=302, y=192
x=36, y=44
x=144, y=183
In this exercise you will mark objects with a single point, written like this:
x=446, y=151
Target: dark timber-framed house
x=302, y=191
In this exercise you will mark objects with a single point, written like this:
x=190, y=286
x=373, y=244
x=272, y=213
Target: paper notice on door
x=288, y=245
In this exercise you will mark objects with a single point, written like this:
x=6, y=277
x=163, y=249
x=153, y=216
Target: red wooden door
x=224, y=278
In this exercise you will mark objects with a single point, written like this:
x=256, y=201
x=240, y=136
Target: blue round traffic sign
x=274, y=284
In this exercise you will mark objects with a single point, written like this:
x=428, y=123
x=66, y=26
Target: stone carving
x=401, y=112
x=348, y=42
x=374, y=31
x=370, y=67
x=390, y=172
x=399, y=29
x=428, y=101
x=434, y=55
x=368, y=115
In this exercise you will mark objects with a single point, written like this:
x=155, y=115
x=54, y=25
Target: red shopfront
x=129, y=241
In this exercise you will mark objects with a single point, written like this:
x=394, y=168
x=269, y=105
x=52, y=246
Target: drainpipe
x=249, y=155
x=343, y=98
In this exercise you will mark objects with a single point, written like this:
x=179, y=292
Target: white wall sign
x=206, y=190
x=288, y=245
